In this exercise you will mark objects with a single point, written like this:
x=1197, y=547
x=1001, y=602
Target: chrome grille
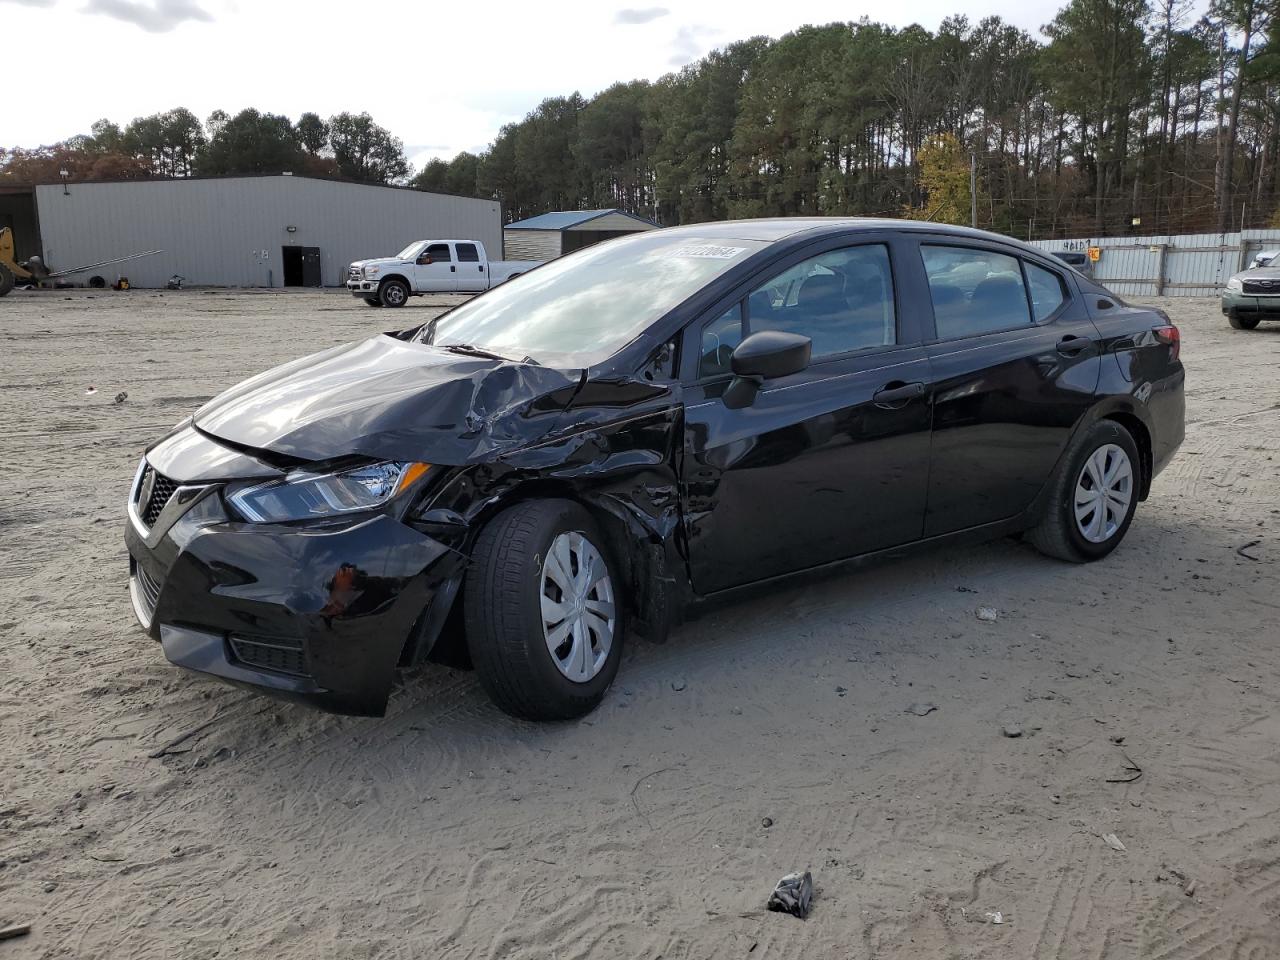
x=1262, y=286
x=354, y=274
x=147, y=592
x=158, y=489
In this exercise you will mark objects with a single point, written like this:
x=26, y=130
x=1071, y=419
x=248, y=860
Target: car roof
x=781, y=228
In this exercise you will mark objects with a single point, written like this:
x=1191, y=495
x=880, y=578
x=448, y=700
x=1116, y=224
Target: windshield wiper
x=472, y=350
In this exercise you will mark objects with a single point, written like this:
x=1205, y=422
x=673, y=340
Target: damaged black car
x=593, y=449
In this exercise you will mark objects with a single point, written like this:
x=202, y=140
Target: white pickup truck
x=430, y=266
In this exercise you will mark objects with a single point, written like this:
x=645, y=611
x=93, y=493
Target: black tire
x=373, y=301
x=1057, y=534
x=503, y=613
x=393, y=293
x=1242, y=323
x=7, y=280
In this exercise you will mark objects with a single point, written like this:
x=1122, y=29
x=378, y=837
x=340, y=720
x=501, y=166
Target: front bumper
x=363, y=288
x=1249, y=305
x=320, y=615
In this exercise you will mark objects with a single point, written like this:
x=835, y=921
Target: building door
x=311, y=267
x=302, y=267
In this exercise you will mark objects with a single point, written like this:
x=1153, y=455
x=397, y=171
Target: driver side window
x=842, y=300
x=438, y=252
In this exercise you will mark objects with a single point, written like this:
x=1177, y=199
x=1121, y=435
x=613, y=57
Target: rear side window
x=439, y=253
x=1047, y=294
x=467, y=253
x=974, y=291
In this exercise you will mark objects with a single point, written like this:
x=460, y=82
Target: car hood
x=388, y=398
x=381, y=262
x=1258, y=273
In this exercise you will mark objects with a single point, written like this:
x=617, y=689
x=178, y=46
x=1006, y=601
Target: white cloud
x=690, y=43
x=636, y=15
x=157, y=16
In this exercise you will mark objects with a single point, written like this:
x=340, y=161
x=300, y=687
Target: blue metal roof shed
x=551, y=235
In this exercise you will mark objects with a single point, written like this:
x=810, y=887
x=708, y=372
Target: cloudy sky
x=443, y=76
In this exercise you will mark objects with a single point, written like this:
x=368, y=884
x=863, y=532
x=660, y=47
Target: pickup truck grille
x=1262, y=286
x=353, y=273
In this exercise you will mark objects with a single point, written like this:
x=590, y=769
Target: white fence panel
x=1191, y=265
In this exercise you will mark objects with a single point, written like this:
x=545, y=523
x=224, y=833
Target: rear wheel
x=393, y=293
x=1092, y=497
x=373, y=301
x=1242, y=323
x=544, y=621
x=7, y=280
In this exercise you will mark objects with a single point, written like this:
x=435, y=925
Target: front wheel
x=393, y=293
x=544, y=619
x=1093, y=496
x=1242, y=323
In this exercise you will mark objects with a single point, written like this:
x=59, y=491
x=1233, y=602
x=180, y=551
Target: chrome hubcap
x=394, y=294
x=578, y=614
x=1104, y=491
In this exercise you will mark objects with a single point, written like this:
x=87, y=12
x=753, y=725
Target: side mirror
x=764, y=356
x=771, y=353
x=424, y=260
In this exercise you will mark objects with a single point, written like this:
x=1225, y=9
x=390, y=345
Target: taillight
x=1171, y=337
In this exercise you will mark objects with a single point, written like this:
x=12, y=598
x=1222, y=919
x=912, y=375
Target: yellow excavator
x=34, y=270
x=10, y=270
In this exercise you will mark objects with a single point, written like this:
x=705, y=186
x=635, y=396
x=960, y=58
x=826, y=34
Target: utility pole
x=973, y=190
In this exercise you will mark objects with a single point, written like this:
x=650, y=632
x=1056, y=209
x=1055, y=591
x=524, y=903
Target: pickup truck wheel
x=1242, y=323
x=393, y=293
x=544, y=618
x=373, y=301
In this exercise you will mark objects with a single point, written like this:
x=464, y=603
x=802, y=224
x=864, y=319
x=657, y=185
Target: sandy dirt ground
x=449, y=830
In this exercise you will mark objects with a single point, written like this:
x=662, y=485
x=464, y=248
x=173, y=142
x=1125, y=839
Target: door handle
x=1070, y=346
x=482, y=268
x=897, y=394
x=452, y=268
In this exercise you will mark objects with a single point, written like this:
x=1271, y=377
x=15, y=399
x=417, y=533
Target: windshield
x=582, y=308
x=410, y=252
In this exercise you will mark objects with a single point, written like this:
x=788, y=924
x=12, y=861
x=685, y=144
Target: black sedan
x=594, y=448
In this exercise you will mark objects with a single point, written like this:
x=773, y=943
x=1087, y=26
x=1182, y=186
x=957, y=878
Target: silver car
x=1253, y=295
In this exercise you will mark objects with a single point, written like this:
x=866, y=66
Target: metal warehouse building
x=257, y=231
x=551, y=235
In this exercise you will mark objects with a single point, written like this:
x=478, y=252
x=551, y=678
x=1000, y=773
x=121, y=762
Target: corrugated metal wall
x=531, y=244
x=230, y=232
x=1191, y=265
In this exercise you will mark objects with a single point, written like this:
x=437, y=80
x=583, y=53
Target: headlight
x=370, y=272
x=310, y=496
x=1235, y=284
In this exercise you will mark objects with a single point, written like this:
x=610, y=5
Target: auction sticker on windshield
x=706, y=251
